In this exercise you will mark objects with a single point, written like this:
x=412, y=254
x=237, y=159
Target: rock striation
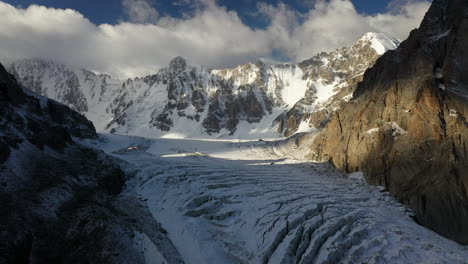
x=406, y=127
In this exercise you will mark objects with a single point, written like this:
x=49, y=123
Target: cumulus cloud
x=336, y=23
x=212, y=36
x=403, y=16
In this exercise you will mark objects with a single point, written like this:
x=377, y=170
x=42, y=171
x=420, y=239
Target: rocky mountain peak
x=178, y=64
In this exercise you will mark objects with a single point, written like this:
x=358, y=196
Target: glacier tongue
x=245, y=202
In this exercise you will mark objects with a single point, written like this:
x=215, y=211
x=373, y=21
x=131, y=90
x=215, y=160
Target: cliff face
x=406, y=127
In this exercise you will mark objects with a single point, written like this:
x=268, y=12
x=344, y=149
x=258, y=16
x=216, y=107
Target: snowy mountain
x=385, y=168
x=249, y=101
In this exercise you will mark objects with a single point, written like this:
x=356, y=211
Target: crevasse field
x=231, y=201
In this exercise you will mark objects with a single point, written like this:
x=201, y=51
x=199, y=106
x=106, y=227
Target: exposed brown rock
x=406, y=127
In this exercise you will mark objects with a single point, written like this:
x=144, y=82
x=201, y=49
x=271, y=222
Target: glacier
x=244, y=201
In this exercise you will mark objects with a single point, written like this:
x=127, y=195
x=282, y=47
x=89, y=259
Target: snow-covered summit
x=380, y=42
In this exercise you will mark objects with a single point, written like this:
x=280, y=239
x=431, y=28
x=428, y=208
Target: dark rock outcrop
x=406, y=127
x=56, y=195
x=4, y=151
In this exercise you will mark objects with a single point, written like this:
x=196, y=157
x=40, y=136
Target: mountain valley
x=358, y=155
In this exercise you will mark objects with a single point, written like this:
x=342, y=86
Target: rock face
x=56, y=195
x=406, y=127
x=254, y=99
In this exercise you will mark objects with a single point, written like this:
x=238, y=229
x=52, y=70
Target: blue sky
x=111, y=11
x=91, y=34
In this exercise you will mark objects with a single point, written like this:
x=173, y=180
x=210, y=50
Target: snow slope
x=224, y=201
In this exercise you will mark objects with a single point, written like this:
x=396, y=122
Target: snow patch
x=373, y=130
x=146, y=247
x=356, y=176
x=294, y=84
x=348, y=97
x=453, y=113
x=324, y=91
x=397, y=130
x=439, y=74
x=440, y=36
x=305, y=127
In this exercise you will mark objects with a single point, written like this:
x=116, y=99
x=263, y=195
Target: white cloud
x=336, y=23
x=212, y=36
x=402, y=17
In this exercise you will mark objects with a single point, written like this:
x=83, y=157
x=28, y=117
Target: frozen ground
x=249, y=202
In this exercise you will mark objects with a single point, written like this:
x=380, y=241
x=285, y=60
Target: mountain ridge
x=251, y=100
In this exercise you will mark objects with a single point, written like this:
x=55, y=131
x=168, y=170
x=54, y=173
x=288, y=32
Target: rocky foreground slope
x=252, y=100
x=406, y=126
x=58, y=198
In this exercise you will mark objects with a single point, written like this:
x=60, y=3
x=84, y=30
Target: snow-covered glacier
x=225, y=201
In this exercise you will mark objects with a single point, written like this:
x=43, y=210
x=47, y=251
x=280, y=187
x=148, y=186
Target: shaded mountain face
x=251, y=100
x=406, y=126
x=55, y=194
